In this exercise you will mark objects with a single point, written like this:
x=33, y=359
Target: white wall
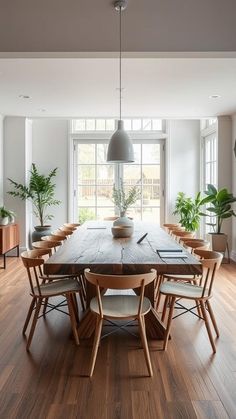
x=49, y=139
x=1, y=160
x=17, y=159
x=233, y=185
x=183, y=161
x=50, y=150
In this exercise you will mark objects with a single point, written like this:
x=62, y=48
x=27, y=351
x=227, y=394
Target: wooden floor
x=50, y=382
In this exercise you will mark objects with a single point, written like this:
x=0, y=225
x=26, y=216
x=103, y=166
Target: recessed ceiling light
x=24, y=97
x=214, y=97
x=42, y=110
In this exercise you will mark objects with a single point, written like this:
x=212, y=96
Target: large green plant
x=189, y=210
x=40, y=192
x=220, y=206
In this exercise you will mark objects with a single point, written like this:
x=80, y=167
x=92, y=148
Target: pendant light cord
x=120, y=61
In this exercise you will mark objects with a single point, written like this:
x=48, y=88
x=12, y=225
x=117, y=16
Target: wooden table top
x=93, y=246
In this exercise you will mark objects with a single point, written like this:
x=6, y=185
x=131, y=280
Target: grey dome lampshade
x=120, y=148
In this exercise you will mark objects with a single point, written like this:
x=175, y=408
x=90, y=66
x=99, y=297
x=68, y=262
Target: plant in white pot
x=123, y=200
x=41, y=192
x=220, y=207
x=6, y=216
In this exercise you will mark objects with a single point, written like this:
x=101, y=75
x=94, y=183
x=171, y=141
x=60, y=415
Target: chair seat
x=120, y=306
x=58, y=287
x=182, y=290
x=53, y=277
x=181, y=277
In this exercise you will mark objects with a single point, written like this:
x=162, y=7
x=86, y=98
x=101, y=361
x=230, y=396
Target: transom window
x=101, y=124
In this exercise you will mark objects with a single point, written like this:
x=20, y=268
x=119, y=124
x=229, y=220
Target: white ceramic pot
x=4, y=221
x=123, y=220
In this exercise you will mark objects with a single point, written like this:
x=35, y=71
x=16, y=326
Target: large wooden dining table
x=93, y=246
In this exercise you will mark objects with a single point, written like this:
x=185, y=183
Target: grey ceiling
x=92, y=25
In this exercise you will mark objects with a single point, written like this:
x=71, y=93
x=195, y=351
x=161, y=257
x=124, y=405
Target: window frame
x=211, y=130
x=99, y=136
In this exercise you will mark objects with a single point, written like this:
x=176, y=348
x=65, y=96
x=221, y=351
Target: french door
x=94, y=179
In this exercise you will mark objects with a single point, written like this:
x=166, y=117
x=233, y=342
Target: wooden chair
x=53, y=238
x=120, y=306
x=71, y=225
x=169, y=226
x=62, y=233
x=111, y=218
x=53, y=245
x=178, y=234
x=33, y=261
x=201, y=293
x=187, y=239
x=67, y=231
x=193, y=245
x=46, y=244
x=66, y=228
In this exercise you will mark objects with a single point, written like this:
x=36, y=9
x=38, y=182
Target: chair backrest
x=179, y=234
x=196, y=244
x=61, y=233
x=192, y=239
x=33, y=261
x=66, y=230
x=119, y=282
x=53, y=238
x=211, y=262
x=170, y=227
x=71, y=225
x=110, y=218
x=46, y=244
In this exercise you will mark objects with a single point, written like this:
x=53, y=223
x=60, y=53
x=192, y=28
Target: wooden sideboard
x=9, y=239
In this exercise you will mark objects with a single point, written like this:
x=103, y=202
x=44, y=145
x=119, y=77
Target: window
x=102, y=124
x=94, y=179
x=210, y=168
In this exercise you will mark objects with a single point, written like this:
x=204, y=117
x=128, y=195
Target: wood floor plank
x=51, y=381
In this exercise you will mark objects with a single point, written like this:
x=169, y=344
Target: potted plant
x=220, y=208
x=6, y=216
x=189, y=210
x=123, y=200
x=40, y=192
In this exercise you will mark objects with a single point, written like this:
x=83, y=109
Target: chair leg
x=96, y=341
x=213, y=318
x=75, y=307
x=165, y=308
x=204, y=313
x=28, y=317
x=145, y=344
x=35, y=318
x=83, y=282
x=198, y=308
x=167, y=333
x=72, y=318
x=158, y=294
x=45, y=306
x=81, y=296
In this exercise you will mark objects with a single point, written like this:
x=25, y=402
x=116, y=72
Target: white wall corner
x=233, y=255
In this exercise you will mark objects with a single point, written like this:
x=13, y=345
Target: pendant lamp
x=120, y=148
